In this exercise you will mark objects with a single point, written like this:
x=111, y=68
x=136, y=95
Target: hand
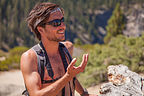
x=73, y=71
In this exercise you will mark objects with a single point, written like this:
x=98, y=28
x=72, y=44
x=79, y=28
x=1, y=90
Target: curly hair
x=39, y=14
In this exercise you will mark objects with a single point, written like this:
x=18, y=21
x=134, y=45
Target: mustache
x=62, y=29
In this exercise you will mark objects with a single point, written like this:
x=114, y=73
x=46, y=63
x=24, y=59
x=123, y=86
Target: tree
x=116, y=24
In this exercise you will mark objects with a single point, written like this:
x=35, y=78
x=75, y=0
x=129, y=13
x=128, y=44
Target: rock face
x=122, y=82
x=135, y=21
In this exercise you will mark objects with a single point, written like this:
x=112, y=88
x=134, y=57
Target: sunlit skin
x=51, y=36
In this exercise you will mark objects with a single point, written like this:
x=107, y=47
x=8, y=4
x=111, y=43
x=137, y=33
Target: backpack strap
x=47, y=64
x=64, y=51
x=25, y=92
x=40, y=60
x=67, y=54
x=62, y=54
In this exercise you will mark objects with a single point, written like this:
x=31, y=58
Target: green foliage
x=85, y=47
x=13, y=59
x=116, y=24
x=80, y=16
x=17, y=51
x=120, y=50
x=77, y=41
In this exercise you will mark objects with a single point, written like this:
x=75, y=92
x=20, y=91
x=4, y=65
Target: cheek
x=51, y=31
x=64, y=26
x=54, y=29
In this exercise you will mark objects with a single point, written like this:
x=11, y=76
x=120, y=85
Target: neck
x=51, y=47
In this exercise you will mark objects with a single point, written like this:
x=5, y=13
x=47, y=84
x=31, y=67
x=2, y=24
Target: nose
x=63, y=25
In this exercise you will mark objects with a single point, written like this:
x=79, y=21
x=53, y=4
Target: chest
x=57, y=67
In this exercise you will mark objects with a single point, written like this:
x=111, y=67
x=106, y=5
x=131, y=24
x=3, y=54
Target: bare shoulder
x=30, y=71
x=69, y=46
x=28, y=61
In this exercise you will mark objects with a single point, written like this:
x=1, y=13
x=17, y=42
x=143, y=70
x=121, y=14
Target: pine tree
x=116, y=24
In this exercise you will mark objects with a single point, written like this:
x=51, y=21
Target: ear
x=40, y=29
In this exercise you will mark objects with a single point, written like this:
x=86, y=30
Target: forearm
x=56, y=87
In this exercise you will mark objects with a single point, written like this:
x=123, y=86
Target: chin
x=61, y=40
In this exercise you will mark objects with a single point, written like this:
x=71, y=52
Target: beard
x=56, y=39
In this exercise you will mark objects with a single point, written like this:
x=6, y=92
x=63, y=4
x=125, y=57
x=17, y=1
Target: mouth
x=61, y=31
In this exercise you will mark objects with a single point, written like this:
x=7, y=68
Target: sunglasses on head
x=56, y=22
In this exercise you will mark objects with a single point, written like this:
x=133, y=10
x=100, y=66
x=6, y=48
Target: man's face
x=53, y=33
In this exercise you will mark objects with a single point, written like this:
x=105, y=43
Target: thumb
x=73, y=62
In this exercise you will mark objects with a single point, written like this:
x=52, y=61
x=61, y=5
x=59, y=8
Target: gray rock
x=122, y=82
x=135, y=22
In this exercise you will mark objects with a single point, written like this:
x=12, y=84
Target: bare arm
x=33, y=81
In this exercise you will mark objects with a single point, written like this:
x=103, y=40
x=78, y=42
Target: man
x=45, y=67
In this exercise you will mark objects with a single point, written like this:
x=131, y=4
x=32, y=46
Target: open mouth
x=61, y=32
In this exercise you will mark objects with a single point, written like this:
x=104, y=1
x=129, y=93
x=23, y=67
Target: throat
x=51, y=48
x=55, y=56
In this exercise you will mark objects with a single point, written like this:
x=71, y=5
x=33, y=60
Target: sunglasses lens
x=62, y=20
x=56, y=22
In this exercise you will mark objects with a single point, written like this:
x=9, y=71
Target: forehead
x=55, y=15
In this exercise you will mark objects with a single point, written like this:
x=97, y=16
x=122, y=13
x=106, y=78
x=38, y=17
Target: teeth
x=61, y=32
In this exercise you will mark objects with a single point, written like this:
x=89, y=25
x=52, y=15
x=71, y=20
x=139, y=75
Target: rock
x=135, y=24
x=122, y=82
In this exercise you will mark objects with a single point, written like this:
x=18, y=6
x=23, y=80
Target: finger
x=87, y=58
x=83, y=60
x=84, y=63
x=73, y=62
x=81, y=67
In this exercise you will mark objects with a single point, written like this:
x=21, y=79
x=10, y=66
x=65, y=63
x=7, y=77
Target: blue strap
x=61, y=50
x=41, y=56
x=63, y=58
x=48, y=65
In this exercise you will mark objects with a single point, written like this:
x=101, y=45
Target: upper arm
x=69, y=46
x=29, y=71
